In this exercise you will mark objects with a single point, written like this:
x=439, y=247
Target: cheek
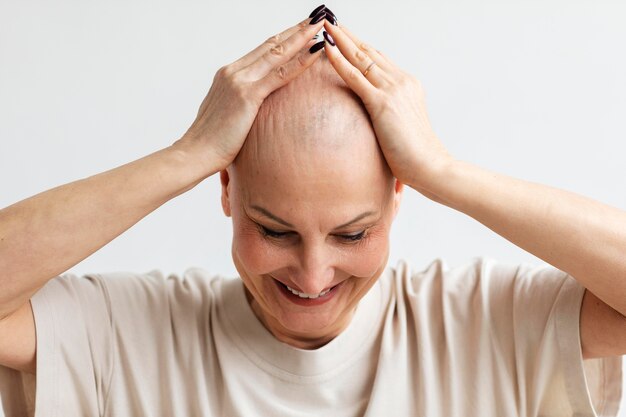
x=366, y=258
x=257, y=254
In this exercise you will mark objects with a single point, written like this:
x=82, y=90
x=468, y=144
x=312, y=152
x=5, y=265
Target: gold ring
x=368, y=68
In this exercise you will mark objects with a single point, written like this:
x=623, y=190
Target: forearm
x=580, y=236
x=46, y=234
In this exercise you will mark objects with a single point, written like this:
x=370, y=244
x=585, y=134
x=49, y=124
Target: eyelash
x=279, y=235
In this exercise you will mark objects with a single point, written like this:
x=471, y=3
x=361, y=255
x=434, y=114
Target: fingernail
x=330, y=12
x=329, y=38
x=316, y=37
x=318, y=17
x=332, y=19
x=316, y=10
x=316, y=47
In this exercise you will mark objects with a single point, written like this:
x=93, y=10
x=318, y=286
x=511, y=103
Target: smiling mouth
x=304, y=298
x=305, y=295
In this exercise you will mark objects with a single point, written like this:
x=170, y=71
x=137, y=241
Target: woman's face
x=312, y=201
x=318, y=223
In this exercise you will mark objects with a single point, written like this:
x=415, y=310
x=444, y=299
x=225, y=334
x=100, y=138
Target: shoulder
x=132, y=294
x=194, y=286
x=193, y=279
x=439, y=276
x=478, y=271
x=482, y=285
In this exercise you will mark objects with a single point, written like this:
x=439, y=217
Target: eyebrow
x=277, y=219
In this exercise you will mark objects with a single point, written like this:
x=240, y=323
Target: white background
x=533, y=89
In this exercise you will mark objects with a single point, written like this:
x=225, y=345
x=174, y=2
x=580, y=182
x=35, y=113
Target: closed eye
x=278, y=235
x=353, y=238
x=273, y=233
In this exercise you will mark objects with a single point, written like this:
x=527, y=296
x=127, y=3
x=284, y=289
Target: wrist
x=199, y=161
x=431, y=179
x=458, y=185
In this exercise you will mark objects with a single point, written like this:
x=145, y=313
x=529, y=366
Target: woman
x=312, y=175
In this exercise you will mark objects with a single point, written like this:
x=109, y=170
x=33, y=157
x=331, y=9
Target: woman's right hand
x=231, y=105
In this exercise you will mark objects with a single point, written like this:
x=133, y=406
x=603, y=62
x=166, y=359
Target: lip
x=307, y=302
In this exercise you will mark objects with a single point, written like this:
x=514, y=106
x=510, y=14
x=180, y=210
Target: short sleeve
x=509, y=335
x=538, y=308
x=74, y=337
x=120, y=343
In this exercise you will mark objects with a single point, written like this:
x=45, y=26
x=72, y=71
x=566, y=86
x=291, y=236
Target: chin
x=308, y=325
x=306, y=332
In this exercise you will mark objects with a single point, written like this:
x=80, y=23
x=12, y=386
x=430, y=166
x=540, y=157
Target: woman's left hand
x=396, y=105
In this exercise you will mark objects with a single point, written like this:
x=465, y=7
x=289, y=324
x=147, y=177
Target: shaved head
x=314, y=117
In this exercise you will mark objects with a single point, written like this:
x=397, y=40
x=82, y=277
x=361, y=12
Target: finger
x=350, y=74
x=272, y=41
x=360, y=59
x=286, y=72
x=386, y=57
x=280, y=53
x=380, y=59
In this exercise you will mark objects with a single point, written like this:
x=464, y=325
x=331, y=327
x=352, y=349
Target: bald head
x=312, y=136
x=315, y=115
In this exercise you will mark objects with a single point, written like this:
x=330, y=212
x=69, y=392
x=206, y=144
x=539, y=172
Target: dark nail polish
x=318, y=17
x=331, y=19
x=330, y=12
x=316, y=10
x=316, y=47
x=329, y=38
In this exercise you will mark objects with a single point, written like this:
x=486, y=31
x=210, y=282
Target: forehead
x=329, y=188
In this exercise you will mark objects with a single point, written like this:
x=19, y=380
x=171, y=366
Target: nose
x=315, y=271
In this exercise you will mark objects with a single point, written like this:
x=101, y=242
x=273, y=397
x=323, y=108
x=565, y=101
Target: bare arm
x=576, y=234
x=44, y=235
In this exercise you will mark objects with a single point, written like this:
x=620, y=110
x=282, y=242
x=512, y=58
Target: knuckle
x=365, y=47
x=353, y=74
x=235, y=79
x=236, y=85
x=273, y=40
x=360, y=55
x=278, y=50
x=281, y=72
x=223, y=72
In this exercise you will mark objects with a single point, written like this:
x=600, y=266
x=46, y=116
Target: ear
x=225, y=181
x=398, y=189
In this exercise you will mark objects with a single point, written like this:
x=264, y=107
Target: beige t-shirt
x=484, y=339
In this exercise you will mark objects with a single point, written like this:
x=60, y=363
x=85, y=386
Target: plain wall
x=532, y=89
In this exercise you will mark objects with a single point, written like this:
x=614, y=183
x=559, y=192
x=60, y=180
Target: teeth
x=305, y=295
